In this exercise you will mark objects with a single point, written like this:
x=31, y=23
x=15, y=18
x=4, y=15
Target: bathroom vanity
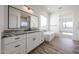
x=23, y=32
x=22, y=43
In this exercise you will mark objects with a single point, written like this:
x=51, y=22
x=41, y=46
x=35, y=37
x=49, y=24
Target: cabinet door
x=38, y=39
x=42, y=37
x=30, y=44
x=33, y=40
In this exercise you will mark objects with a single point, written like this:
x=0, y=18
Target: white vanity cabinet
x=22, y=44
x=33, y=40
x=14, y=45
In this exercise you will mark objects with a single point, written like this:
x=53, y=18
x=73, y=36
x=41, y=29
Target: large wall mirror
x=19, y=19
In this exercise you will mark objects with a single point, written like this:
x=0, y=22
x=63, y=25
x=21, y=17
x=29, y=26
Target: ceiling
x=50, y=8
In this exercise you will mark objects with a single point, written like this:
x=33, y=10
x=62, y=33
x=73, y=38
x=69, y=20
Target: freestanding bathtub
x=48, y=36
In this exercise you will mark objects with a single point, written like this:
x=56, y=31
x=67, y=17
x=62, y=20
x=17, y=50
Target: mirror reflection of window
x=24, y=22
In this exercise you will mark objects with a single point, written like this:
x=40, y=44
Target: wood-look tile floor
x=58, y=46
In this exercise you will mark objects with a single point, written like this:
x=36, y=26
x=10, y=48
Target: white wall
x=1, y=22
x=49, y=15
x=76, y=23
x=6, y=17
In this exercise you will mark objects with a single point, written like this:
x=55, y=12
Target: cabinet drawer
x=33, y=34
x=16, y=52
x=16, y=46
x=13, y=39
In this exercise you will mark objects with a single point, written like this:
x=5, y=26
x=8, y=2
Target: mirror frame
x=21, y=11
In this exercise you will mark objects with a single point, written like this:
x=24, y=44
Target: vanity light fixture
x=29, y=9
x=25, y=8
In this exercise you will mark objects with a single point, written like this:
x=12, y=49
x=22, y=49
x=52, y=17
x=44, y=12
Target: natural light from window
x=67, y=24
x=43, y=22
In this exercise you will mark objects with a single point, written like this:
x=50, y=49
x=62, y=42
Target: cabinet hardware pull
x=34, y=39
x=17, y=38
x=17, y=46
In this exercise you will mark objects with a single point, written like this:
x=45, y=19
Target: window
x=67, y=24
x=66, y=33
x=54, y=22
x=43, y=23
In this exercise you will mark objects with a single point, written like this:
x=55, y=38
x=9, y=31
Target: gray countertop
x=11, y=34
